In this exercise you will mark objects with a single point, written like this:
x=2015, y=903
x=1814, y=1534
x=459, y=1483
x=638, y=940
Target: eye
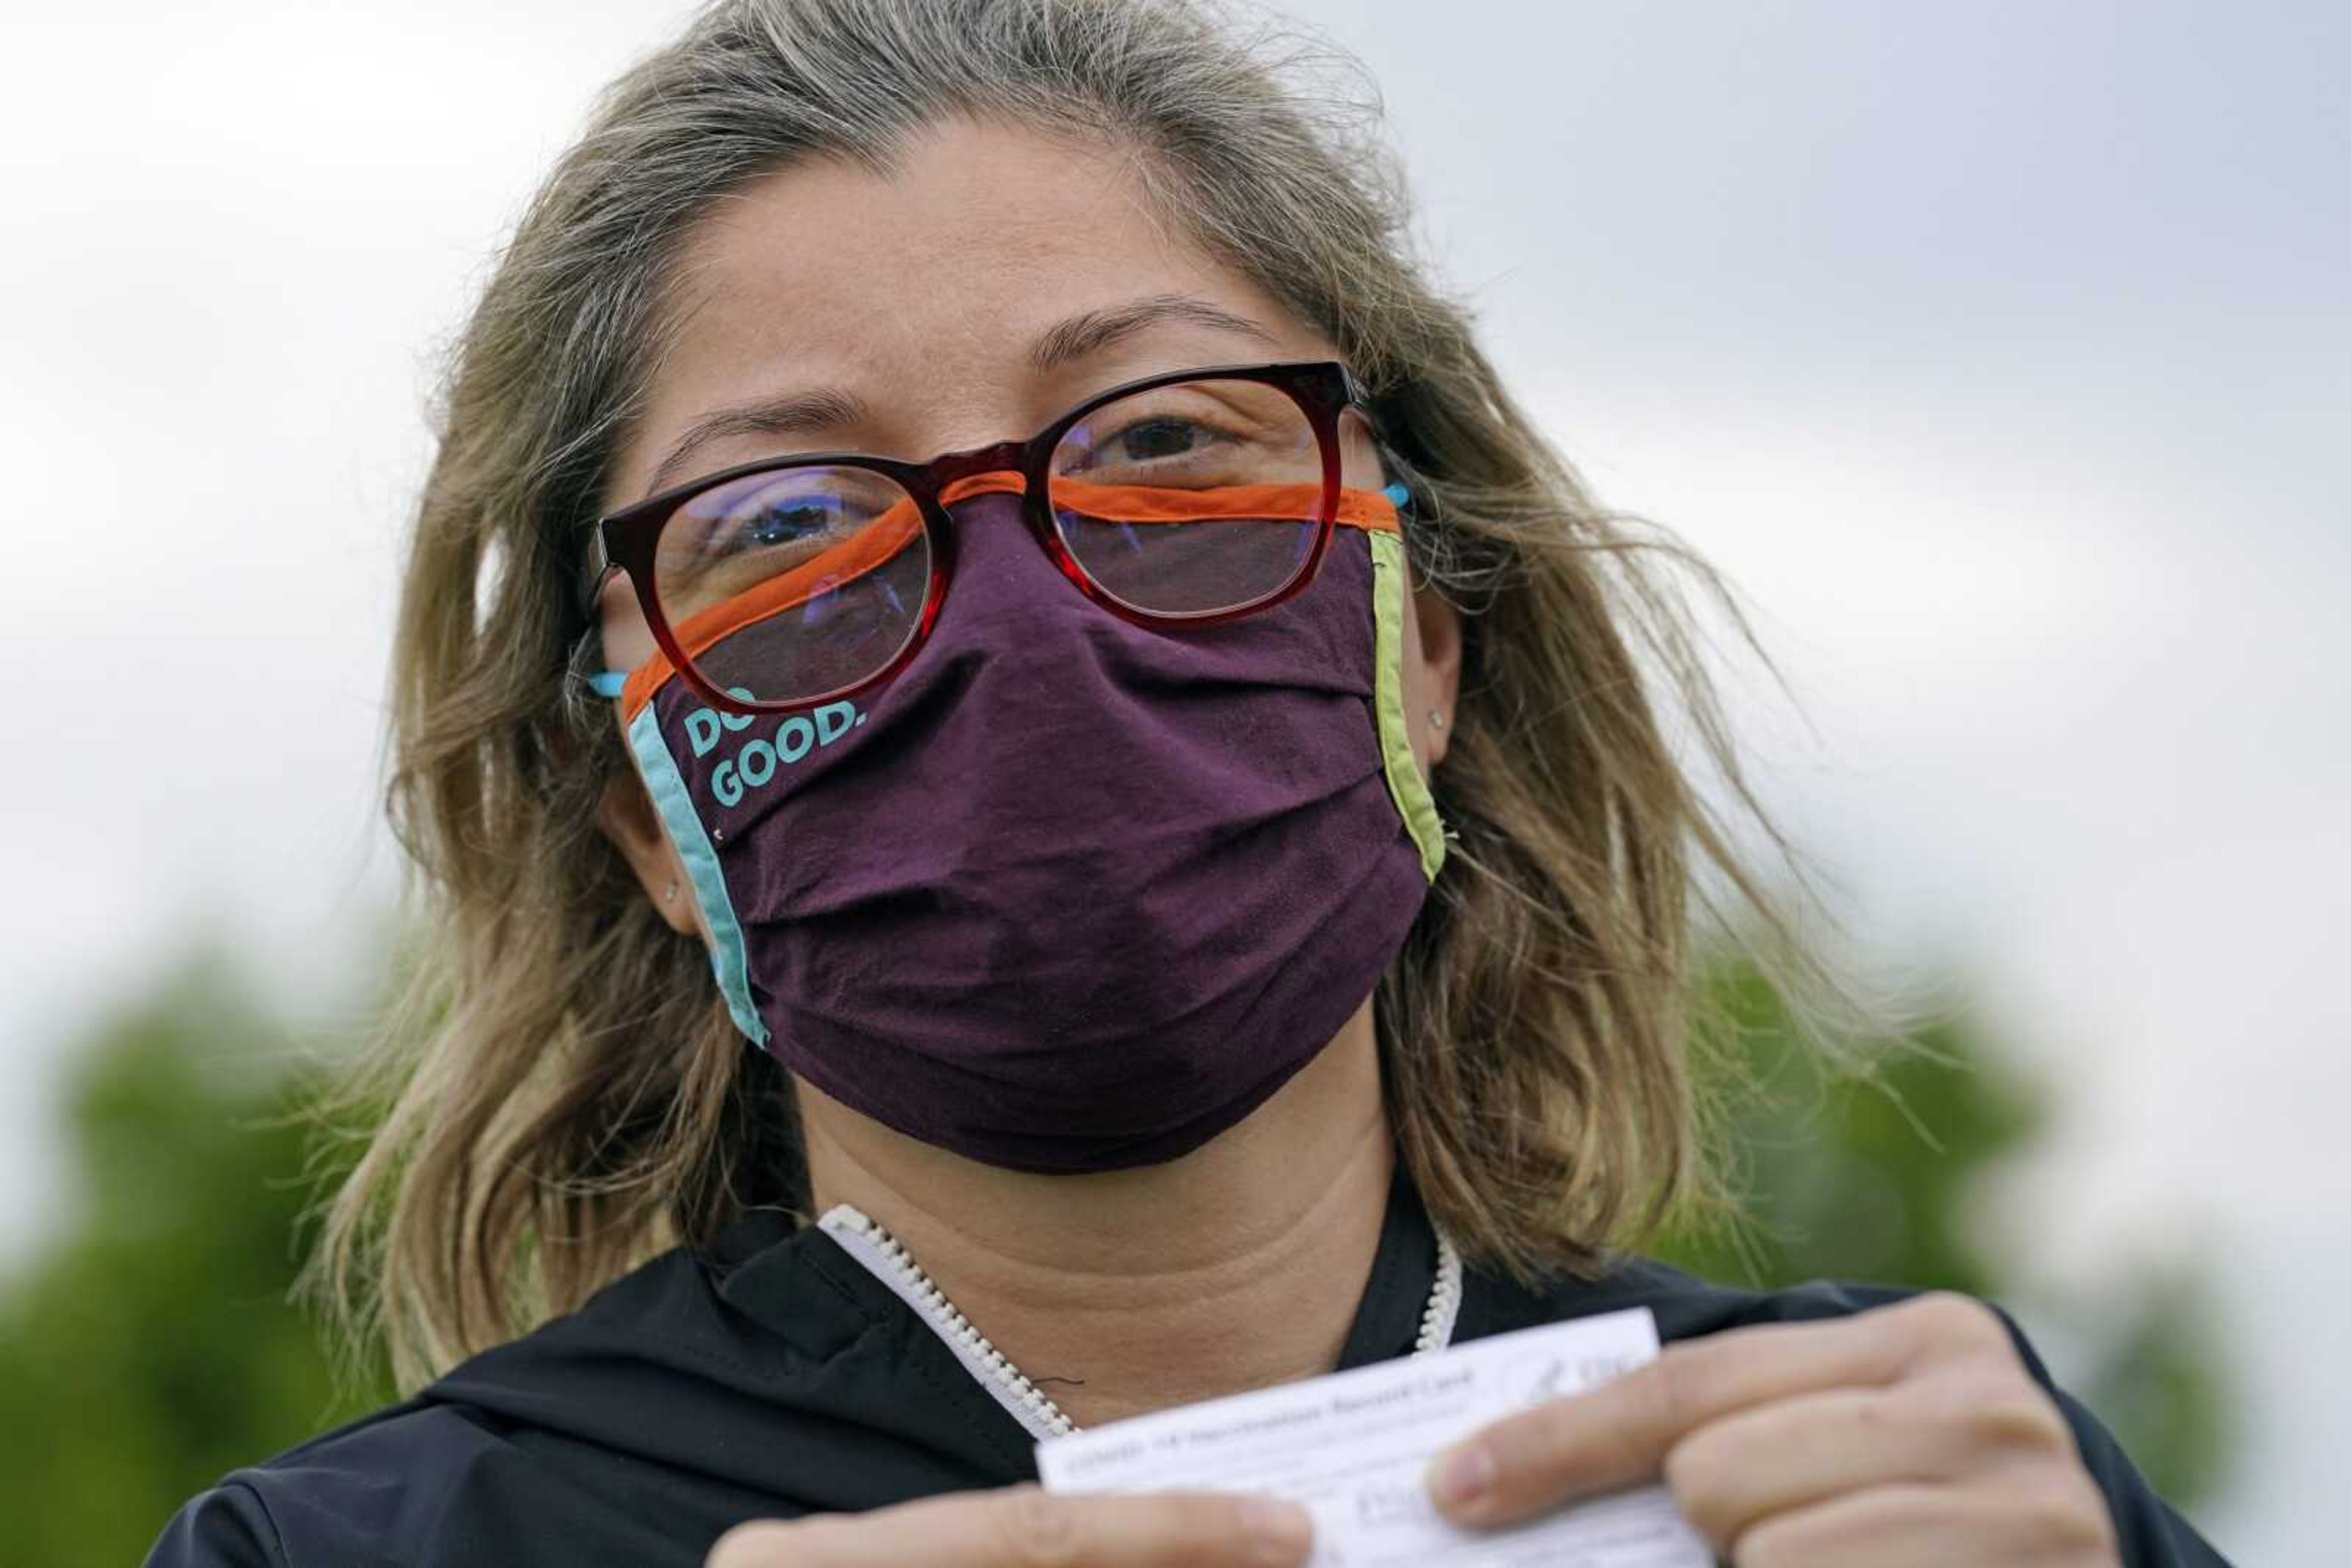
x=1151, y=445
x=788, y=522
x=788, y=518
x=1156, y=438
x=816, y=524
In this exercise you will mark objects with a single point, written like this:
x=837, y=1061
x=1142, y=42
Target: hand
x=1026, y=1527
x=1909, y=1433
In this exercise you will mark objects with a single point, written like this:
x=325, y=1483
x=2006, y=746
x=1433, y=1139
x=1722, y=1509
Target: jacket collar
x=799, y=1285
x=771, y=1360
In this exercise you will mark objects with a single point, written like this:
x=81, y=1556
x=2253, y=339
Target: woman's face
x=908, y=310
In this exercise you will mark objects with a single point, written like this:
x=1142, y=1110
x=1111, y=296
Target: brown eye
x=1157, y=438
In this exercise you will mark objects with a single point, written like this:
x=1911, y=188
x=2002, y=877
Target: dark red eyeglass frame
x=624, y=541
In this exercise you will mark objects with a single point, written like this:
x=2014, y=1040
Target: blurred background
x=1996, y=352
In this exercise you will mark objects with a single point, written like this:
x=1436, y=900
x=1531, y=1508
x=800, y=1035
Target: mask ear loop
x=1431, y=551
x=1406, y=490
x=581, y=669
x=1404, y=486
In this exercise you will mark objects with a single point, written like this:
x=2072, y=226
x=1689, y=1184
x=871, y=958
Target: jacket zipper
x=884, y=1257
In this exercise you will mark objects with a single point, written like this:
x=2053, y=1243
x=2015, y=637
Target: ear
x=627, y=817
x=1432, y=674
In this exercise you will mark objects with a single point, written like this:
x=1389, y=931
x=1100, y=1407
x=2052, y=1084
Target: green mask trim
x=1405, y=785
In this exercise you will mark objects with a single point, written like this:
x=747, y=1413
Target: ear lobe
x=626, y=816
x=1440, y=640
x=1436, y=681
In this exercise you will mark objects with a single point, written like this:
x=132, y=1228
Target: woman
x=963, y=554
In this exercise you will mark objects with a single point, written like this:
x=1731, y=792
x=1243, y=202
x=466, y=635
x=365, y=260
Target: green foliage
x=1874, y=1176
x=152, y=1348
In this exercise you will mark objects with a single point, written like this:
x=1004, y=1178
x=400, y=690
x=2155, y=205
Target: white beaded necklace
x=886, y=1258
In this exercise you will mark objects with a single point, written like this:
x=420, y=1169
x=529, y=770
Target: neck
x=1238, y=1266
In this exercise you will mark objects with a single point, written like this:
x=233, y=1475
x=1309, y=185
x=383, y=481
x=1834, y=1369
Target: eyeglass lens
x=1191, y=499
x=1186, y=499
x=794, y=583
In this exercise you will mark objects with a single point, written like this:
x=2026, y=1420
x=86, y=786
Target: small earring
x=1436, y=719
x=671, y=895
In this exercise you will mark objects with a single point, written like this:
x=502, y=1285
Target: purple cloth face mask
x=1067, y=894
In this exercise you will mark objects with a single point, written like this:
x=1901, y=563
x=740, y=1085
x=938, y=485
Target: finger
x=1617, y=1434
x=1776, y=1457
x=1923, y=1525
x=1027, y=1527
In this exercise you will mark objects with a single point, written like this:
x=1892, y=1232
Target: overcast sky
x=1996, y=351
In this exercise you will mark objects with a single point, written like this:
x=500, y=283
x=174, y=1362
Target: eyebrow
x=1066, y=341
x=1091, y=331
x=796, y=413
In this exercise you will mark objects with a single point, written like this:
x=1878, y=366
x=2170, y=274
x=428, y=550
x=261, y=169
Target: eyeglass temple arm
x=595, y=565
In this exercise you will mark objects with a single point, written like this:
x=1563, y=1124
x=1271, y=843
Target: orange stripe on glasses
x=880, y=540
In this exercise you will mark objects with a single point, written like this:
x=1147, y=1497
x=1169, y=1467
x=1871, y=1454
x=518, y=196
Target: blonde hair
x=558, y=1093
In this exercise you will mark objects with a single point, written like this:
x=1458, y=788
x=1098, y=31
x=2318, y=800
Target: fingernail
x=1282, y=1529
x=1462, y=1476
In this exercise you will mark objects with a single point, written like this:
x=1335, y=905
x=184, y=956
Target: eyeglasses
x=1178, y=501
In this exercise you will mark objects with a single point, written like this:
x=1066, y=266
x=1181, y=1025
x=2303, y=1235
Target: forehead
x=921, y=289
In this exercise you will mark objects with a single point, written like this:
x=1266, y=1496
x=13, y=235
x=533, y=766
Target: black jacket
x=773, y=1376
